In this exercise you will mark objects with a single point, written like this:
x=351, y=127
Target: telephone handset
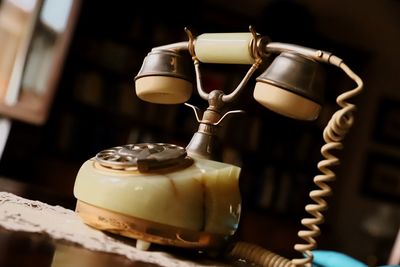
x=170, y=195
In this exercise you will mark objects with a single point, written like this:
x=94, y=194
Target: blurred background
x=67, y=73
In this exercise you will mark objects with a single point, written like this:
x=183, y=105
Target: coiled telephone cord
x=258, y=255
x=333, y=134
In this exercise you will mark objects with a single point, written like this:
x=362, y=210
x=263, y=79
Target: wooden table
x=21, y=248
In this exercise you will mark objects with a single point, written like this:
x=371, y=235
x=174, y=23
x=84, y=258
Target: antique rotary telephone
x=165, y=194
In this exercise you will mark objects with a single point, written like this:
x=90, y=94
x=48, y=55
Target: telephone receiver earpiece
x=165, y=78
x=291, y=86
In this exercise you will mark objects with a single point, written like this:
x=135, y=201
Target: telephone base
x=145, y=231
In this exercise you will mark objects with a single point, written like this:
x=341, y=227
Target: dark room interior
x=93, y=106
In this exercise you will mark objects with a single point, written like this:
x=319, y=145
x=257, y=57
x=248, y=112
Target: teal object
x=327, y=258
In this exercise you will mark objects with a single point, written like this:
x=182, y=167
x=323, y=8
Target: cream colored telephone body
x=162, y=193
